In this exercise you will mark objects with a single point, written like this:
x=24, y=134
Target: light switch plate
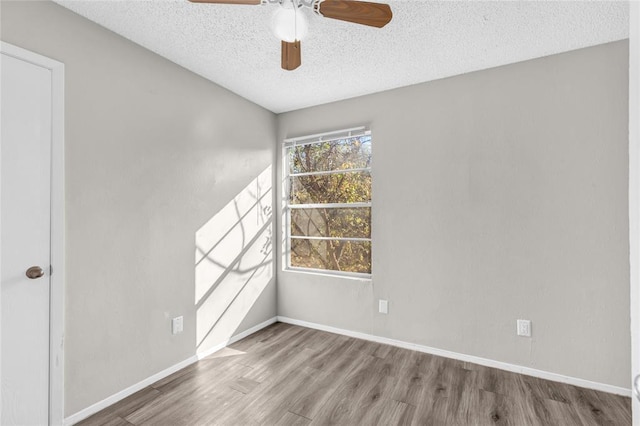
x=383, y=306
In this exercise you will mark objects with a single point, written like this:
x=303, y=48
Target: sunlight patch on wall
x=233, y=261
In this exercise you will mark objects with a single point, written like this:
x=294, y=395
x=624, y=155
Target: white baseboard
x=92, y=409
x=100, y=405
x=468, y=358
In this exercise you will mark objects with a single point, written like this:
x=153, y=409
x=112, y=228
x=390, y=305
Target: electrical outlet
x=383, y=306
x=524, y=328
x=176, y=325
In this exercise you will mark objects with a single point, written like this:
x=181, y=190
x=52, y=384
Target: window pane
x=346, y=256
x=351, y=187
x=341, y=154
x=332, y=222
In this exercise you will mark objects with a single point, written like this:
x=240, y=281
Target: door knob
x=636, y=386
x=34, y=272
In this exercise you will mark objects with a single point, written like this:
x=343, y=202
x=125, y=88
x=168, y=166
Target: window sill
x=329, y=274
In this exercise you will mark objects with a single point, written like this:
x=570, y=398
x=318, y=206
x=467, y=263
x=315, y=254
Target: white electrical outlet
x=524, y=328
x=176, y=325
x=383, y=306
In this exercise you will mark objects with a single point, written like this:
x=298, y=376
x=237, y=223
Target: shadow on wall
x=234, y=262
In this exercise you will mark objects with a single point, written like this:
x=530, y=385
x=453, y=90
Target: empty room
x=319, y=212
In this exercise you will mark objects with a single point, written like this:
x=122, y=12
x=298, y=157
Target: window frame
x=287, y=207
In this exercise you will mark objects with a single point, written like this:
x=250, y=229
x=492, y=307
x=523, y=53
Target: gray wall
x=153, y=153
x=498, y=195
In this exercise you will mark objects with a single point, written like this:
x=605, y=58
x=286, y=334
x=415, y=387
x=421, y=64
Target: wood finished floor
x=289, y=375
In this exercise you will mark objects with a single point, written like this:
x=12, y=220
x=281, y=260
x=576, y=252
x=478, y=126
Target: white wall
x=153, y=153
x=497, y=195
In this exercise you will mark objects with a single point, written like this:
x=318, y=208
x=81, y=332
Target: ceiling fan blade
x=359, y=12
x=227, y=1
x=291, y=55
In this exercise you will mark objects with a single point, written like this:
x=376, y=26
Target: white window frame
x=287, y=208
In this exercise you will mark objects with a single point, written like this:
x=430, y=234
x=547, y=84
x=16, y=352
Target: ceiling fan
x=290, y=24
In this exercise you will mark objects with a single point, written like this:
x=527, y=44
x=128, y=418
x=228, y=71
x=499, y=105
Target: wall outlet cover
x=524, y=328
x=177, y=325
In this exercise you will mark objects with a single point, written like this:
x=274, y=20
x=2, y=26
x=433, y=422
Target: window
x=327, y=189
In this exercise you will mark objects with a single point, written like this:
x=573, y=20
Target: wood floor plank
x=339, y=407
x=392, y=413
x=411, y=386
x=266, y=334
x=395, y=362
x=378, y=350
x=111, y=421
x=193, y=379
x=321, y=340
x=528, y=407
x=123, y=408
x=374, y=400
x=244, y=385
x=590, y=407
x=269, y=358
x=290, y=375
x=493, y=409
x=494, y=380
x=183, y=397
x=332, y=357
x=290, y=419
x=198, y=410
x=432, y=411
x=265, y=344
x=562, y=413
x=310, y=399
x=118, y=421
x=618, y=407
x=281, y=395
x=273, y=396
x=464, y=397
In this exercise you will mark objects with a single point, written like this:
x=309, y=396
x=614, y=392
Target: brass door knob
x=34, y=272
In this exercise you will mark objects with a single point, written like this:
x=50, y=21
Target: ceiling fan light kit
x=290, y=25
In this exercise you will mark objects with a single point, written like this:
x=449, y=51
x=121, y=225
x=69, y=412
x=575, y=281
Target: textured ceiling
x=232, y=45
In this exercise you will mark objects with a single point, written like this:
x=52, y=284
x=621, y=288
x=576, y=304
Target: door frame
x=57, y=277
x=634, y=196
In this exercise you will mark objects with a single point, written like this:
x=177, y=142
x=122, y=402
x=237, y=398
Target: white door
x=25, y=179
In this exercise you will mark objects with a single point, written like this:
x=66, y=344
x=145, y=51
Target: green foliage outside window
x=346, y=229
